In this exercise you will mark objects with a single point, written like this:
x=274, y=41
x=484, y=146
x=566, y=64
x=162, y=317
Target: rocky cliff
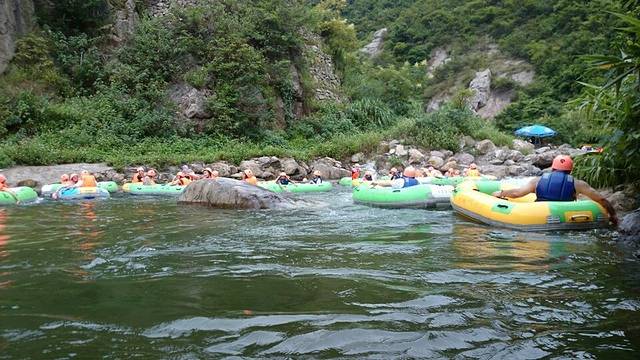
x=16, y=19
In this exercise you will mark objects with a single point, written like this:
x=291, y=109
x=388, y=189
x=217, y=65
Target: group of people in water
x=557, y=185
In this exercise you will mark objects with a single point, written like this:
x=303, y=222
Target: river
x=140, y=277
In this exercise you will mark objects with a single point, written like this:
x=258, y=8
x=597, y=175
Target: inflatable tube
x=473, y=200
x=22, y=193
x=83, y=193
x=419, y=196
x=453, y=181
x=153, y=190
x=49, y=189
x=297, y=188
x=347, y=181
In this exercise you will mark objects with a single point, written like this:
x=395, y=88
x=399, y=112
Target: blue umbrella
x=538, y=131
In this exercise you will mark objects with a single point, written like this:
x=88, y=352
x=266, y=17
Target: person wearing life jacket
x=394, y=173
x=355, y=172
x=138, y=177
x=4, y=187
x=559, y=185
x=150, y=177
x=283, y=179
x=368, y=176
x=65, y=181
x=189, y=173
x=408, y=179
x=472, y=170
x=181, y=179
x=317, y=178
x=86, y=180
x=249, y=178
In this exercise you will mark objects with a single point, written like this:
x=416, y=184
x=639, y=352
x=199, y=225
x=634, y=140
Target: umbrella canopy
x=535, y=131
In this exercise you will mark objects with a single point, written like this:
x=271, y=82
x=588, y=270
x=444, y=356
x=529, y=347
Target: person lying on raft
x=86, y=180
x=71, y=182
x=472, y=170
x=355, y=172
x=4, y=187
x=408, y=179
x=65, y=180
x=210, y=174
x=317, y=178
x=559, y=185
x=181, y=179
x=138, y=177
x=283, y=179
x=150, y=177
x=394, y=173
x=249, y=178
x=432, y=172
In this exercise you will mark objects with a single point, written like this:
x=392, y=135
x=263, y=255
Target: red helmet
x=562, y=163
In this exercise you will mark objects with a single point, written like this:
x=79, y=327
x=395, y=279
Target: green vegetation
x=71, y=95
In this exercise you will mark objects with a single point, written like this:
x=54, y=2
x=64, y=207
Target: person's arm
x=586, y=190
x=526, y=189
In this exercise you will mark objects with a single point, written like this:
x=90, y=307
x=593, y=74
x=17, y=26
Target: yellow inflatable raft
x=473, y=200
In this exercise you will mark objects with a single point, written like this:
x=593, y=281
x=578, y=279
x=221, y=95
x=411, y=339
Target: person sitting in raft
x=451, y=172
x=181, y=179
x=472, y=170
x=456, y=172
x=65, y=180
x=150, y=177
x=559, y=185
x=283, y=179
x=368, y=176
x=86, y=180
x=4, y=187
x=189, y=173
x=432, y=172
x=317, y=178
x=249, y=178
x=209, y=174
x=138, y=177
x=394, y=174
x=355, y=172
x=408, y=179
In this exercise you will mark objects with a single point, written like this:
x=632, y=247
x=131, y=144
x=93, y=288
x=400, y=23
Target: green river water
x=147, y=278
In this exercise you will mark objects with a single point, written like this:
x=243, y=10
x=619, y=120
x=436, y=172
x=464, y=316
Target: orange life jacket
x=251, y=180
x=89, y=181
x=184, y=181
x=137, y=178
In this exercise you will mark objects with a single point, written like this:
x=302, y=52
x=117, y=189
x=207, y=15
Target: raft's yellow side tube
x=472, y=199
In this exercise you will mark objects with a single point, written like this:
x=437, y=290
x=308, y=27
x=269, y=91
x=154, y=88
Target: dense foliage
x=71, y=94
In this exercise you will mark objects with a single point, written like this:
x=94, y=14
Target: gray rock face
x=629, y=228
x=226, y=193
x=16, y=19
x=485, y=146
x=545, y=159
x=435, y=161
x=374, y=48
x=464, y=158
x=126, y=21
x=481, y=88
x=415, y=156
x=331, y=169
x=51, y=174
x=438, y=58
x=321, y=68
x=522, y=146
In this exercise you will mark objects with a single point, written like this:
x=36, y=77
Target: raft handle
x=577, y=218
x=503, y=206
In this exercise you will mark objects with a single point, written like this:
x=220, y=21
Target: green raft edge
x=23, y=194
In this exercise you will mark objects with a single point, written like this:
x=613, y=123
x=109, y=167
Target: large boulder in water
x=226, y=193
x=629, y=228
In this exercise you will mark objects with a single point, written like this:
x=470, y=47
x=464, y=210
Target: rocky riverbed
x=520, y=159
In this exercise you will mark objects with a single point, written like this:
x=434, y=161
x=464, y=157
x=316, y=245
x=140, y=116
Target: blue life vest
x=283, y=181
x=409, y=182
x=395, y=176
x=317, y=180
x=556, y=186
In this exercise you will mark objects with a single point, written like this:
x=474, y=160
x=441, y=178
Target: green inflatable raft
x=297, y=188
x=417, y=197
x=110, y=186
x=347, y=181
x=153, y=190
x=23, y=194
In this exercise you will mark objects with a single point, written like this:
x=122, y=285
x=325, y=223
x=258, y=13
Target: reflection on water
x=145, y=277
